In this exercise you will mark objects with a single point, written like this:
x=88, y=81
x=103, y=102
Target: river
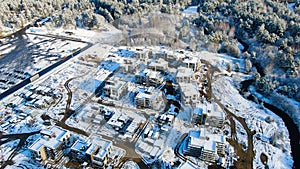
x=289, y=123
x=294, y=134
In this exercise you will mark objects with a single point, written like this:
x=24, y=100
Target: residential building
x=215, y=119
x=165, y=119
x=149, y=77
x=162, y=54
x=78, y=150
x=143, y=54
x=49, y=146
x=118, y=120
x=88, y=116
x=189, y=93
x=37, y=150
x=92, y=151
x=193, y=147
x=153, y=153
x=158, y=65
x=150, y=98
x=98, y=152
x=184, y=75
x=215, y=116
x=204, y=145
x=130, y=65
x=191, y=62
x=115, y=88
x=199, y=117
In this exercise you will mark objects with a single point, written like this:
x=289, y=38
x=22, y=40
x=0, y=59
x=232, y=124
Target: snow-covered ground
x=190, y=11
x=255, y=117
x=23, y=160
x=294, y=112
x=93, y=36
x=241, y=134
x=7, y=149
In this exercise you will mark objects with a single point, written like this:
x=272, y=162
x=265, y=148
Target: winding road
x=69, y=112
x=245, y=160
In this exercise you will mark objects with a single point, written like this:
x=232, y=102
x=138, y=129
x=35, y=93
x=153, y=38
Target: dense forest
x=268, y=29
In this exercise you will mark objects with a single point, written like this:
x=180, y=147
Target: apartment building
x=191, y=62
x=49, y=146
x=206, y=146
x=115, y=88
x=149, y=77
x=184, y=75
x=150, y=98
x=98, y=152
x=158, y=65
x=189, y=93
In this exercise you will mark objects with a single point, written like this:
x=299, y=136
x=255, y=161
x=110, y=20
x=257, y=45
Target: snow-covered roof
x=52, y=143
x=37, y=145
x=151, y=93
x=195, y=142
x=131, y=128
x=109, y=65
x=142, y=95
x=80, y=146
x=56, y=132
x=191, y=60
x=117, y=84
x=149, y=73
x=52, y=139
x=218, y=114
x=154, y=151
x=103, y=146
x=217, y=138
x=115, y=123
x=92, y=149
x=102, y=75
x=189, y=89
x=184, y=72
x=160, y=62
x=209, y=146
x=203, y=138
x=159, y=142
x=145, y=147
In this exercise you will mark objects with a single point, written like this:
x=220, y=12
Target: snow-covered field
x=93, y=36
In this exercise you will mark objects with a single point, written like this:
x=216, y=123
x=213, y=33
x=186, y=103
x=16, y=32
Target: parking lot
x=26, y=54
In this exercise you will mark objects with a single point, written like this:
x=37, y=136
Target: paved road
x=176, y=150
x=130, y=152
